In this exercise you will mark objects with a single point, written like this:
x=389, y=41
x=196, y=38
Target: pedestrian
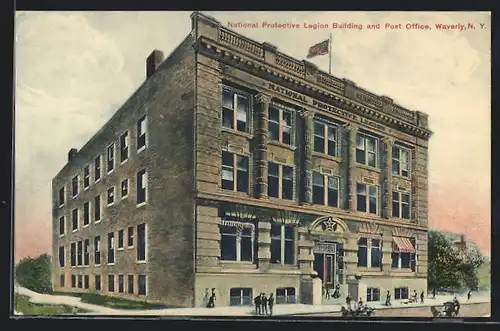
x=264, y=304
x=270, y=303
x=414, y=296
x=388, y=299
x=211, y=300
x=327, y=294
x=434, y=293
x=422, y=297
x=469, y=295
x=457, y=306
x=258, y=302
x=348, y=301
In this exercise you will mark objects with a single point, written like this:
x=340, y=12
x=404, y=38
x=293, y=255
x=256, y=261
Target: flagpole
x=330, y=55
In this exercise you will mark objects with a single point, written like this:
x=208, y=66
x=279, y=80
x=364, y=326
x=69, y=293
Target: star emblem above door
x=330, y=225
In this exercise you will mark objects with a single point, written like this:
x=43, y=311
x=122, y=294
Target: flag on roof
x=318, y=49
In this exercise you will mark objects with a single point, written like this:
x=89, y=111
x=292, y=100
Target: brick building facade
x=238, y=168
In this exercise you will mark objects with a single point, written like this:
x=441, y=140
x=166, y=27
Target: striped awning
x=237, y=224
x=403, y=245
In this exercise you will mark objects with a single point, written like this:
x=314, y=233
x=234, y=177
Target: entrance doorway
x=325, y=262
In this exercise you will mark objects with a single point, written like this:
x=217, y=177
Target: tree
x=35, y=273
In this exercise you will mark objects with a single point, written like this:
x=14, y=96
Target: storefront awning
x=403, y=245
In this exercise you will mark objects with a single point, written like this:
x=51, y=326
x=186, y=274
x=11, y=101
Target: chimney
x=71, y=154
x=154, y=60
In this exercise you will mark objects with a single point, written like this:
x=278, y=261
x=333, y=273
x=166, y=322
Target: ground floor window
x=401, y=293
x=372, y=294
x=80, y=281
x=61, y=281
x=240, y=297
x=237, y=241
x=73, y=281
x=285, y=295
x=121, y=284
x=111, y=283
x=131, y=284
x=97, y=282
x=86, y=281
x=142, y=284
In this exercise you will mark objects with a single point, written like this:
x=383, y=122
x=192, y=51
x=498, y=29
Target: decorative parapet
x=269, y=54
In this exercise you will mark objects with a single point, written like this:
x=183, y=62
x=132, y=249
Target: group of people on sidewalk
x=413, y=298
x=263, y=304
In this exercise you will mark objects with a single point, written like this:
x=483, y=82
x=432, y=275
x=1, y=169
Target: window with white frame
x=130, y=285
x=237, y=240
x=62, y=226
x=325, y=138
x=86, y=252
x=280, y=181
x=235, y=174
x=124, y=186
x=111, y=283
x=240, y=297
x=86, y=176
x=62, y=256
x=401, y=161
x=325, y=190
x=97, y=282
x=404, y=253
x=280, y=124
x=86, y=213
x=111, y=157
x=111, y=248
x=73, y=254
x=121, y=284
x=61, y=280
x=80, y=281
x=62, y=196
x=369, y=253
x=111, y=196
x=372, y=294
x=97, y=209
x=142, y=184
x=130, y=237
x=282, y=244
x=367, y=198
x=235, y=109
x=97, y=250
x=86, y=281
x=367, y=149
x=74, y=219
x=120, y=239
x=142, y=285
x=141, y=133
x=74, y=185
x=141, y=242
x=124, y=147
x=286, y=295
x=73, y=281
x=401, y=205
x=401, y=293
x=97, y=168
x=79, y=250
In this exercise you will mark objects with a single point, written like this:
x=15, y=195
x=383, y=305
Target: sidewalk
x=279, y=310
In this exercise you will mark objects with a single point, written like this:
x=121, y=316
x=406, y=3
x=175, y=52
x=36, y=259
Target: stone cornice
x=252, y=64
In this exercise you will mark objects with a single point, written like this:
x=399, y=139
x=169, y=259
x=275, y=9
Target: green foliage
x=119, y=303
x=35, y=274
x=451, y=268
x=24, y=306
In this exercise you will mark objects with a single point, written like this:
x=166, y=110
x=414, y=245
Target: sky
x=73, y=70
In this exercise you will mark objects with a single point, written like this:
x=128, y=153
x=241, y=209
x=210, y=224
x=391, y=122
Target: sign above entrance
x=324, y=248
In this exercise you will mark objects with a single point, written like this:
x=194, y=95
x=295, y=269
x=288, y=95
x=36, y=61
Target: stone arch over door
x=328, y=224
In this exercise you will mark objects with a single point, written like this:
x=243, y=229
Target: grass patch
x=115, y=303
x=24, y=306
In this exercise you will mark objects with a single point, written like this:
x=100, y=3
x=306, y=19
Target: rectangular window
x=121, y=285
x=367, y=198
x=329, y=145
x=369, y=253
x=86, y=252
x=142, y=184
x=141, y=242
x=97, y=250
x=86, y=213
x=401, y=205
x=367, y=150
x=234, y=178
x=280, y=125
x=86, y=281
x=97, y=209
x=61, y=196
x=73, y=281
x=124, y=147
x=240, y=297
x=124, y=186
x=111, y=196
x=280, y=181
x=282, y=244
x=79, y=248
x=80, y=281
x=363, y=252
x=111, y=283
x=372, y=294
x=73, y=254
x=401, y=293
x=236, y=241
x=401, y=161
x=285, y=295
x=141, y=133
x=376, y=253
x=97, y=282
x=141, y=279
x=130, y=287
x=120, y=239
x=62, y=226
x=61, y=281
x=97, y=168
x=111, y=248
x=235, y=110
x=111, y=157
x=86, y=176
x=62, y=257
x=74, y=185
x=74, y=218
x=325, y=190
x=130, y=237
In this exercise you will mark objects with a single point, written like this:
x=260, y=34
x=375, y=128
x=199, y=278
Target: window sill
x=280, y=144
x=111, y=264
x=97, y=265
x=367, y=167
x=86, y=226
x=238, y=133
x=111, y=204
x=130, y=247
x=97, y=181
x=97, y=222
x=111, y=171
x=124, y=161
x=141, y=204
x=124, y=197
x=402, y=177
x=74, y=231
x=141, y=262
x=74, y=196
x=61, y=235
x=120, y=249
x=86, y=188
x=141, y=149
x=60, y=206
x=326, y=156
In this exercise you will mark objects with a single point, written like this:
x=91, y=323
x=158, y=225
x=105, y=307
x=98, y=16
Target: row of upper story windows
x=236, y=112
x=124, y=149
x=141, y=199
x=235, y=176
